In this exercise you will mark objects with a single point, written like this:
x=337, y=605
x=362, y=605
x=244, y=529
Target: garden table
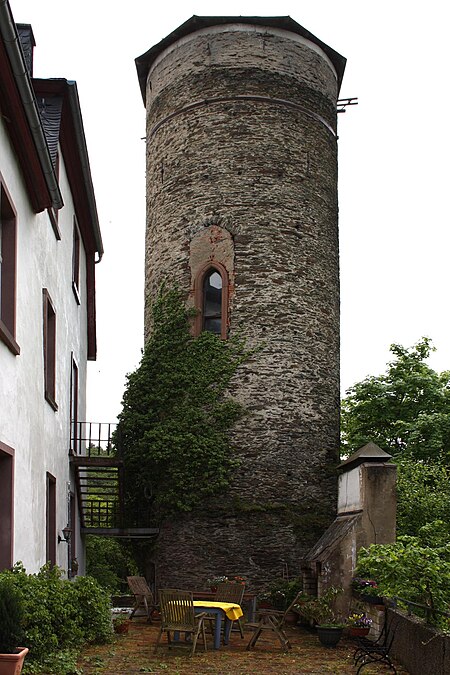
x=249, y=599
x=228, y=611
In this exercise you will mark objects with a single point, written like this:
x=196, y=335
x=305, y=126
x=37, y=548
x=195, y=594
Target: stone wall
x=241, y=136
x=418, y=647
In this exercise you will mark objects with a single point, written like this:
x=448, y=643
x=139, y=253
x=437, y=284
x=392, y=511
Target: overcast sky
x=394, y=153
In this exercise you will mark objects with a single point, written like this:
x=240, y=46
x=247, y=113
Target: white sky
x=394, y=151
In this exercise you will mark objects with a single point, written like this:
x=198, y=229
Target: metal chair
x=376, y=651
x=177, y=615
x=231, y=592
x=142, y=596
x=273, y=620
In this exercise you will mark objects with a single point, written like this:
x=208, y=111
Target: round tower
x=242, y=213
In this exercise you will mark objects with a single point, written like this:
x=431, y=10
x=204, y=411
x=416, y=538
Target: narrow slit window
x=212, y=302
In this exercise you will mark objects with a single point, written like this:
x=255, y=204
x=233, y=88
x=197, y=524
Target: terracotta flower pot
x=291, y=618
x=122, y=627
x=356, y=631
x=11, y=664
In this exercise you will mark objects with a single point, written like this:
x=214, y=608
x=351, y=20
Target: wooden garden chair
x=177, y=615
x=272, y=620
x=143, y=596
x=230, y=592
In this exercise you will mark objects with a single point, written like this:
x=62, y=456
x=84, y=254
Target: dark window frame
x=8, y=270
x=6, y=506
x=200, y=298
x=76, y=249
x=49, y=344
x=74, y=387
x=50, y=520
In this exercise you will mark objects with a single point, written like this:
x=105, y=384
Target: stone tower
x=242, y=213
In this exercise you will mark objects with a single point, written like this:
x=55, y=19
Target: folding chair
x=177, y=615
x=142, y=596
x=273, y=620
x=230, y=592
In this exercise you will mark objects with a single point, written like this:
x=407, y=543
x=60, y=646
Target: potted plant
x=280, y=594
x=359, y=624
x=121, y=623
x=215, y=581
x=11, y=632
x=367, y=590
x=322, y=612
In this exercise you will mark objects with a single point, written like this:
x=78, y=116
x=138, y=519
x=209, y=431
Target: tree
x=405, y=411
x=423, y=494
x=177, y=413
x=411, y=569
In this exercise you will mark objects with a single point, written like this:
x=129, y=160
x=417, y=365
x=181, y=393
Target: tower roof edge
x=195, y=23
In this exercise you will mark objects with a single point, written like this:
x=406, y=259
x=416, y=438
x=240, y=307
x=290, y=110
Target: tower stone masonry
x=242, y=185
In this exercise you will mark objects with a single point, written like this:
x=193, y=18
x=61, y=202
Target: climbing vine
x=177, y=413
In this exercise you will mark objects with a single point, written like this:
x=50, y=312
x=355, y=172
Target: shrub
x=94, y=609
x=409, y=569
x=58, y=615
x=11, y=617
x=108, y=562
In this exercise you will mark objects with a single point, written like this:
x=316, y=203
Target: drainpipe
x=22, y=78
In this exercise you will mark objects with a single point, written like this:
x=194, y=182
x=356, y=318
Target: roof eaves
x=195, y=23
x=10, y=37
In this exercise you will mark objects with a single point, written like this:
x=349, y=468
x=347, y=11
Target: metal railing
x=429, y=611
x=95, y=439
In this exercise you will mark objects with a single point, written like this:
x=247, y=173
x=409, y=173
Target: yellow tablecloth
x=231, y=609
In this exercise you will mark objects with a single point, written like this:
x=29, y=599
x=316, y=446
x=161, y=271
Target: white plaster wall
x=39, y=435
x=349, y=491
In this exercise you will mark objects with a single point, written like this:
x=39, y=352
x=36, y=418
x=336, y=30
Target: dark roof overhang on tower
x=195, y=23
x=21, y=116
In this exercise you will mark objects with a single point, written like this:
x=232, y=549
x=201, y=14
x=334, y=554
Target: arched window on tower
x=212, y=302
x=211, y=296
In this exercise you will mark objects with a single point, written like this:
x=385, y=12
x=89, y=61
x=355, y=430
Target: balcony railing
x=95, y=439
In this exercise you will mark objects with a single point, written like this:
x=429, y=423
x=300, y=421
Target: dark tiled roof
x=331, y=538
x=50, y=111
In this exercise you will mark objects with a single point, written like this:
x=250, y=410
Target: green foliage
x=282, y=592
x=410, y=568
x=109, y=562
x=93, y=604
x=406, y=410
x=11, y=617
x=176, y=414
x=423, y=493
x=321, y=610
x=59, y=614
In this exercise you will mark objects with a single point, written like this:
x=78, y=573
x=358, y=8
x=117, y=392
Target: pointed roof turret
x=368, y=453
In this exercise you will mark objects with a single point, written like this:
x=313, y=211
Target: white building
x=49, y=243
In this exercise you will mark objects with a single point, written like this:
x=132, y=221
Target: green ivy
x=176, y=416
